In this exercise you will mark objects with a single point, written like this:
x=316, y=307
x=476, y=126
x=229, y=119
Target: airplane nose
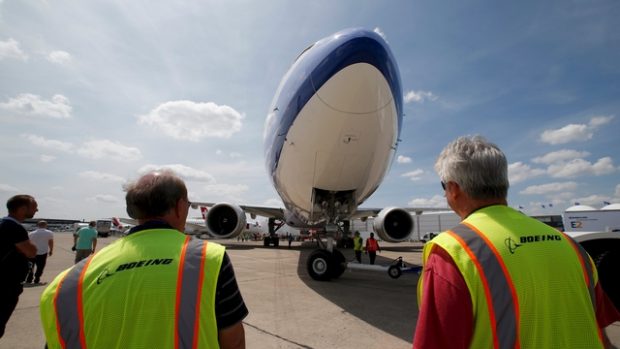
x=356, y=89
x=359, y=74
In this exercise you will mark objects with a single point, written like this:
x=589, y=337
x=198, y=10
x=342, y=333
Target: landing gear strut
x=327, y=262
x=272, y=238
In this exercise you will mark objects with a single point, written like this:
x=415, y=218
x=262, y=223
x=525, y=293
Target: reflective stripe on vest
x=498, y=287
x=68, y=306
x=69, y=309
x=189, y=292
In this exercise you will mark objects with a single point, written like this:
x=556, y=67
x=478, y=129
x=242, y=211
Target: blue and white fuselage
x=334, y=126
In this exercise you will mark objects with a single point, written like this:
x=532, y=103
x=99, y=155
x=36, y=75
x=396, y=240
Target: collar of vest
x=154, y=224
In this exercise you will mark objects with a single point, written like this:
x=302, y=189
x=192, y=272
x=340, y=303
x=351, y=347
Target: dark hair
x=154, y=194
x=18, y=201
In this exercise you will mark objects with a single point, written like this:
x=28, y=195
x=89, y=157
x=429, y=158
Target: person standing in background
x=358, y=246
x=372, y=246
x=43, y=239
x=85, y=241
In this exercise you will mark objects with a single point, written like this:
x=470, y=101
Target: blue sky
x=93, y=93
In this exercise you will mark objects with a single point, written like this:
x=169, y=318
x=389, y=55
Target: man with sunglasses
x=501, y=279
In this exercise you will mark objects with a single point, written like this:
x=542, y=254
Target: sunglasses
x=443, y=185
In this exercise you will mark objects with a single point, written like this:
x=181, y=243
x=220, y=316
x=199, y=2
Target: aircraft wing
x=362, y=213
x=264, y=211
x=129, y=221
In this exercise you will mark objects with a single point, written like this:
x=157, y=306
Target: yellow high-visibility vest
x=530, y=285
x=152, y=289
x=358, y=243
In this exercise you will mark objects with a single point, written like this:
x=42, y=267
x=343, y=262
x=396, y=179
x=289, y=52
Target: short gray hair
x=479, y=167
x=154, y=194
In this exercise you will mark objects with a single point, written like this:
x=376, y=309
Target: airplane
x=329, y=139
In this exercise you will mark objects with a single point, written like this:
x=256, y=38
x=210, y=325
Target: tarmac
x=288, y=309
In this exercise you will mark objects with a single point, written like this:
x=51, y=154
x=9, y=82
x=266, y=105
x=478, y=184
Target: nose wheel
x=323, y=265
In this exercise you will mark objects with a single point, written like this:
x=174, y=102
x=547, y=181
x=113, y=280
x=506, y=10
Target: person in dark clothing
x=15, y=250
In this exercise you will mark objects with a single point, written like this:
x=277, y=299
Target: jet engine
x=393, y=224
x=225, y=221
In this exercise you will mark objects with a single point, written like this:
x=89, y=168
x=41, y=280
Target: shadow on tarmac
x=387, y=304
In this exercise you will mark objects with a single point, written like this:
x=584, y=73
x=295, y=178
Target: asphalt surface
x=362, y=309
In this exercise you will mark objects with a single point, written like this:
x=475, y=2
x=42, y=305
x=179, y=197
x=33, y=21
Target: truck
x=598, y=231
x=103, y=227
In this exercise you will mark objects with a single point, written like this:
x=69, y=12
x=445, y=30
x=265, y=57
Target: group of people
x=158, y=287
x=371, y=248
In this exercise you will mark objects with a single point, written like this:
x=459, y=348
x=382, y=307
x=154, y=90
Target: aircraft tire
x=339, y=264
x=394, y=271
x=320, y=265
x=608, y=264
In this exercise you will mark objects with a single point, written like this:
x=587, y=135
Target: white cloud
x=401, y=159
x=435, y=201
x=592, y=200
x=574, y=132
x=549, y=188
x=105, y=198
x=10, y=49
x=273, y=202
x=600, y=120
x=32, y=105
x=519, y=172
x=7, y=188
x=49, y=143
x=187, y=120
x=101, y=176
x=560, y=155
x=235, y=155
x=419, y=96
x=47, y=158
x=185, y=172
x=617, y=191
x=580, y=167
x=59, y=57
x=413, y=175
x=226, y=189
x=100, y=149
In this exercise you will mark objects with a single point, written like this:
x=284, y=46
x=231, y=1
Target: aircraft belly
x=343, y=139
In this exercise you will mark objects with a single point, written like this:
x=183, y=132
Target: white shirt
x=40, y=238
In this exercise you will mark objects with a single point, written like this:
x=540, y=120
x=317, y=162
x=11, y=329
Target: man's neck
x=17, y=217
x=474, y=205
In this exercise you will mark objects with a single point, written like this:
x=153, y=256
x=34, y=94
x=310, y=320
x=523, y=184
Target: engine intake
x=393, y=224
x=225, y=221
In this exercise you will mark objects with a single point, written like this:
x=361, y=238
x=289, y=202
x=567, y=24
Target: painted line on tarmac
x=277, y=336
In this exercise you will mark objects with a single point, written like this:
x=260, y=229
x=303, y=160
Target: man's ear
x=454, y=190
x=178, y=208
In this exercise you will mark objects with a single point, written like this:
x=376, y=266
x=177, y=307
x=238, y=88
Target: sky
x=95, y=93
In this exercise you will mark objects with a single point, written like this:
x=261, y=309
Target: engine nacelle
x=225, y=221
x=393, y=224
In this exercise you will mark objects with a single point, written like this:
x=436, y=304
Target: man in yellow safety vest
x=501, y=279
x=154, y=288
